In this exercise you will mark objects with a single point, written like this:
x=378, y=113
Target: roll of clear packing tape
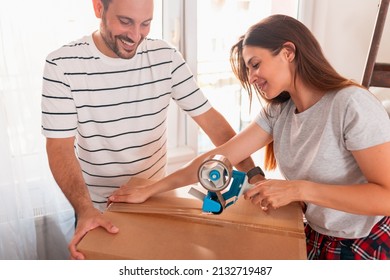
x=215, y=173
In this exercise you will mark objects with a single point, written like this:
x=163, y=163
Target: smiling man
x=122, y=31
x=105, y=100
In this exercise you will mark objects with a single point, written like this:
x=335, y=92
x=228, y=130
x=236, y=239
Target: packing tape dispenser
x=223, y=184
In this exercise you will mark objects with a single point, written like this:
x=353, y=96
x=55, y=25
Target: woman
x=329, y=136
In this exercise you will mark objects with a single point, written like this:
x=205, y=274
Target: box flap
x=175, y=228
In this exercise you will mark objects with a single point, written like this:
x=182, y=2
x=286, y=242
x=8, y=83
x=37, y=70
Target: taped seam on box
x=206, y=218
x=261, y=228
x=281, y=231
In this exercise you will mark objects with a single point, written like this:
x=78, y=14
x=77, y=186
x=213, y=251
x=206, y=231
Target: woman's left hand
x=274, y=193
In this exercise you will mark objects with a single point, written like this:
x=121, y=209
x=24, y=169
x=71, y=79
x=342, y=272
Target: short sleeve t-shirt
x=117, y=109
x=316, y=145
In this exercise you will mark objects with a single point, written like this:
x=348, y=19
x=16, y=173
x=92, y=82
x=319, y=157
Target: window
x=217, y=25
x=26, y=180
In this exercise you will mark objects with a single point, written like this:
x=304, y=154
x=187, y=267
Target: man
x=104, y=109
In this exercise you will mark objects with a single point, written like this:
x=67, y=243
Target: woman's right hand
x=136, y=190
x=131, y=194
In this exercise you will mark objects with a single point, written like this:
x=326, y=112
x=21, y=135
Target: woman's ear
x=289, y=51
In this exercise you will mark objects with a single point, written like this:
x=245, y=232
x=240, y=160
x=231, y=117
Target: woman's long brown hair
x=311, y=65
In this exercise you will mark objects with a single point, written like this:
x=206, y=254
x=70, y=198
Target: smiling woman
x=218, y=25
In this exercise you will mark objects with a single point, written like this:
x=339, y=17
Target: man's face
x=124, y=25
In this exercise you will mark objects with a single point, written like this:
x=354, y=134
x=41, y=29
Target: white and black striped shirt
x=116, y=108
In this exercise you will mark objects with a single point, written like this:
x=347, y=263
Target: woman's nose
x=252, y=77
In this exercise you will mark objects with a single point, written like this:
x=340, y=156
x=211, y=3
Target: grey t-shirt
x=316, y=145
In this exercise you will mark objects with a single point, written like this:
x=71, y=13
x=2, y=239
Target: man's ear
x=98, y=8
x=289, y=51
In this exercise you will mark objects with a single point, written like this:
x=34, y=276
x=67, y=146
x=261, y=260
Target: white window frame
x=180, y=28
x=178, y=19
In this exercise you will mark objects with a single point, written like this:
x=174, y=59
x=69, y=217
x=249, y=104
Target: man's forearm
x=220, y=131
x=67, y=173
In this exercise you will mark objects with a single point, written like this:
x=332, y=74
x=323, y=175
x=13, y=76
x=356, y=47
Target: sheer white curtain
x=36, y=220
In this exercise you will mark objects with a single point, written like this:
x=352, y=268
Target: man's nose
x=134, y=33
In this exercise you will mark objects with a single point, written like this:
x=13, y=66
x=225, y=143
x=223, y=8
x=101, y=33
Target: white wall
x=344, y=29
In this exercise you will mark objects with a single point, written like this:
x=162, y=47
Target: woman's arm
x=235, y=150
x=371, y=198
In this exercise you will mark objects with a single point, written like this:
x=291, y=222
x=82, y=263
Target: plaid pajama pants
x=375, y=246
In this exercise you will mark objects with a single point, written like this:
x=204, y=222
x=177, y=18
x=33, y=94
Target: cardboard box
x=174, y=228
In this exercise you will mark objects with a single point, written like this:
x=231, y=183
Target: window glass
x=219, y=25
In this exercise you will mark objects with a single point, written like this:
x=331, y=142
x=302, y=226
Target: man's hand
x=90, y=219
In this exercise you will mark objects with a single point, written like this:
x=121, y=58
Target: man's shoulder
x=73, y=48
x=156, y=44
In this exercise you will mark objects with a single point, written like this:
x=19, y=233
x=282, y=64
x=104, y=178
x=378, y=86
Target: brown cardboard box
x=173, y=228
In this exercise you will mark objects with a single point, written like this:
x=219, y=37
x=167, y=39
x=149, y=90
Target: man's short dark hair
x=106, y=3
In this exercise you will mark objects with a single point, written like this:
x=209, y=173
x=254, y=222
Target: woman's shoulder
x=355, y=94
x=355, y=100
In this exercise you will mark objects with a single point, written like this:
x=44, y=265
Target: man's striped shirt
x=116, y=108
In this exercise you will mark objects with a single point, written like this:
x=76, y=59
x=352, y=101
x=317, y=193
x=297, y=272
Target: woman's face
x=272, y=74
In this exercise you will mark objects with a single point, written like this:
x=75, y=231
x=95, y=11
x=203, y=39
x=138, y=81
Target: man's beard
x=112, y=42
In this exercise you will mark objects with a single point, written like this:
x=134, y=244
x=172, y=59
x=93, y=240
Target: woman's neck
x=304, y=97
